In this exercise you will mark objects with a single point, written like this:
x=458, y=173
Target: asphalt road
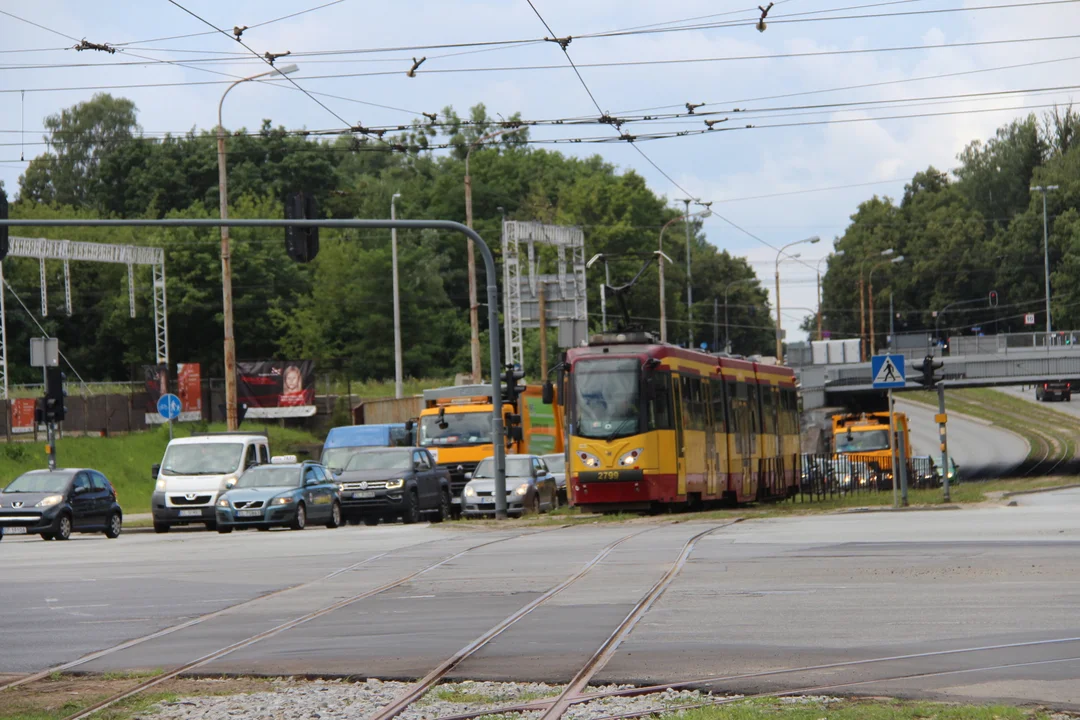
x=1069, y=408
x=975, y=446
x=758, y=596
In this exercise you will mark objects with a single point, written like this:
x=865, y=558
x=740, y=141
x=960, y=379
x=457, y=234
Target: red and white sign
x=1029, y=319
x=22, y=415
x=189, y=388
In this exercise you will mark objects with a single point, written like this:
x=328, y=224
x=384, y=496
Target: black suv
x=1054, y=390
x=56, y=503
x=387, y=483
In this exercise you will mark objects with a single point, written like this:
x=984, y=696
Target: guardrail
x=821, y=477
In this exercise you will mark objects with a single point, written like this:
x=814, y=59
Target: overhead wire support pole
x=1043, y=189
x=498, y=430
x=689, y=277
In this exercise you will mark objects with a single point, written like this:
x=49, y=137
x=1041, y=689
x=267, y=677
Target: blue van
x=341, y=442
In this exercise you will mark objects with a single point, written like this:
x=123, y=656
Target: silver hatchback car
x=530, y=487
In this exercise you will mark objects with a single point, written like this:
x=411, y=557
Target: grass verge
x=814, y=708
x=126, y=459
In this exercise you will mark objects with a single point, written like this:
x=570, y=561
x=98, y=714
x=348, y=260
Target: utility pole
x=862, y=319
x=1046, y=253
x=399, y=380
x=542, y=298
x=715, y=327
x=689, y=279
x=226, y=258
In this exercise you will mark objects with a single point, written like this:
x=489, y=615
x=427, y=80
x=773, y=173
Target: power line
x=42, y=27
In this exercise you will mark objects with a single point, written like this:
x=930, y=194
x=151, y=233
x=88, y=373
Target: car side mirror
x=230, y=484
x=154, y=471
x=468, y=476
x=409, y=425
x=548, y=393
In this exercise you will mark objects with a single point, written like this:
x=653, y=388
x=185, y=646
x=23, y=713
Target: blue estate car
x=285, y=493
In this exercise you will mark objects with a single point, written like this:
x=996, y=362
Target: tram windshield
x=607, y=398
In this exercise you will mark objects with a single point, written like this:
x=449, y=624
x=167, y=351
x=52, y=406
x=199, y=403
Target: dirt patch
x=63, y=695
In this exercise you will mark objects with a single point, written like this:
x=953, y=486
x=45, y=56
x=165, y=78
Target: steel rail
x=288, y=625
x=422, y=686
x=601, y=657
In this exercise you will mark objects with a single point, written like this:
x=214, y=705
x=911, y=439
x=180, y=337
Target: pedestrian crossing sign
x=888, y=371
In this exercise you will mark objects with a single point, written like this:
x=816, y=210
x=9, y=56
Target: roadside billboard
x=276, y=388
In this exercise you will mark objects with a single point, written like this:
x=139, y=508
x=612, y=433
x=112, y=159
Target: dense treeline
x=336, y=309
x=966, y=235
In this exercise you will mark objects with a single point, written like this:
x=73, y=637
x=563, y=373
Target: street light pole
x=399, y=380
x=689, y=277
x=838, y=253
x=226, y=258
x=1046, y=253
x=871, y=289
x=779, y=330
x=474, y=306
x=862, y=303
x=727, y=327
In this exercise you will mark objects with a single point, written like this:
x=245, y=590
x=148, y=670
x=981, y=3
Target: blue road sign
x=168, y=406
x=888, y=371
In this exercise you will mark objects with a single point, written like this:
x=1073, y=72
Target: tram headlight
x=588, y=459
x=631, y=457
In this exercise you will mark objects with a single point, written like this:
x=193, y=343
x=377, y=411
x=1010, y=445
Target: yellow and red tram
x=653, y=426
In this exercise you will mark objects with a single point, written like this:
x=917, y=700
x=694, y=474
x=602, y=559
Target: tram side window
x=660, y=404
x=790, y=412
x=768, y=410
x=755, y=409
x=719, y=407
x=737, y=404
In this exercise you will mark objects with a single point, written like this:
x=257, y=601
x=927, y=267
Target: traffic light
x=993, y=298
x=510, y=379
x=301, y=243
x=927, y=367
x=4, y=228
x=54, y=395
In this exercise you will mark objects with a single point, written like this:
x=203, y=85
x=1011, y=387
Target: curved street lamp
x=838, y=253
x=870, y=282
x=779, y=329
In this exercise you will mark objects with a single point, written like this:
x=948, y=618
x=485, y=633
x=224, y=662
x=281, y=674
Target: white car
x=196, y=470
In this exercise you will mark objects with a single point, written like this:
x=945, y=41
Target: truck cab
x=455, y=427
x=196, y=470
x=864, y=439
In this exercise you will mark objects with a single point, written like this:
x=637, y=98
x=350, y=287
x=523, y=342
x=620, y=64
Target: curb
x=1055, y=488
x=962, y=416
x=884, y=509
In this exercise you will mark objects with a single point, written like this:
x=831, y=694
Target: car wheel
x=371, y=520
x=224, y=530
x=411, y=513
x=300, y=521
x=113, y=526
x=335, y=516
x=554, y=501
x=44, y=536
x=63, y=527
x=262, y=528
x=444, y=508
x=211, y=526
x=161, y=528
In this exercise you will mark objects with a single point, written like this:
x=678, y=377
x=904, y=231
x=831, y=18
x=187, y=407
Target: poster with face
x=277, y=388
x=157, y=384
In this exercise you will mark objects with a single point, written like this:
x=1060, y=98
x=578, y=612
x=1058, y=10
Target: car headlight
x=588, y=459
x=631, y=457
x=395, y=484
x=160, y=487
x=223, y=502
x=287, y=500
x=469, y=491
x=50, y=501
x=522, y=489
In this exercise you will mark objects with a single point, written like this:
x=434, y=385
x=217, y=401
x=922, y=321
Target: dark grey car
x=530, y=488
x=556, y=465
x=387, y=483
x=56, y=503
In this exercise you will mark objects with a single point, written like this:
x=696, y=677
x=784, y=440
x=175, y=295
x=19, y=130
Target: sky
x=769, y=186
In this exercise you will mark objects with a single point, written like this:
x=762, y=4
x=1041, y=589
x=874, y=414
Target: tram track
x=272, y=632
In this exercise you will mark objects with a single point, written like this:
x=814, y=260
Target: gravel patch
x=341, y=700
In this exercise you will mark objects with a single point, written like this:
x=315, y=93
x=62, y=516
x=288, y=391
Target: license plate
x=191, y=513
x=367, y=494
x=249, y=513
x=486, y=500
x=13, y=531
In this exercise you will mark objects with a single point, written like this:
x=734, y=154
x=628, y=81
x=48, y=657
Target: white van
x=196, y=469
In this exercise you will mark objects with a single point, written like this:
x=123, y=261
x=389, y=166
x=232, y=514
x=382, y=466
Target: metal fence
x=822, y=477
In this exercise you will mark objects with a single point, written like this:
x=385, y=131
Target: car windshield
x=38, y=482
x=606, y=395
x=269, y=476
x=555, y=463
x=470, y=428
x=380, y=461
x=337, y=458
x=202, y=459
x=515, y=467
x=864, y=441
